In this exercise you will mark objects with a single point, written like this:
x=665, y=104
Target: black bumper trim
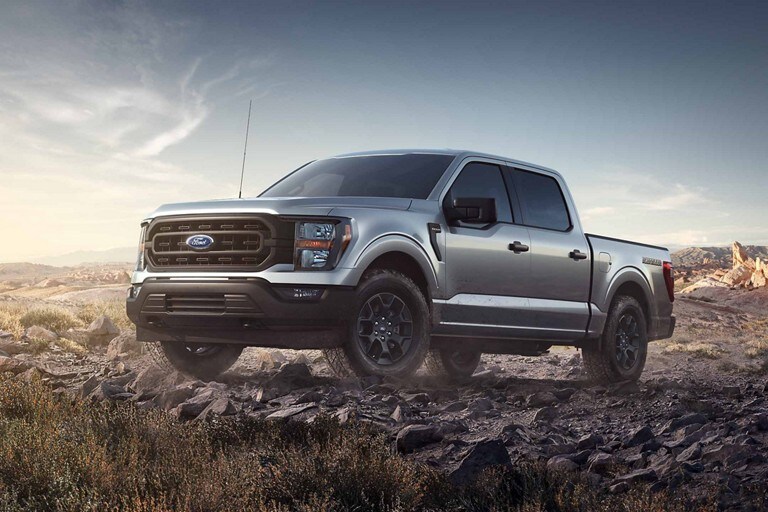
x=246, y=311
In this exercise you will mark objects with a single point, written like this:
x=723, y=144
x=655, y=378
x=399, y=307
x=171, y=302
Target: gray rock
x=398, y=414
x=219, y=407
x=101, y=331
x=639, y=436
x=454, y=407
x=561, y=463
x=413, y=437
x=3, y=353
x=193, y=407
x=149, y=379
x=290, y=377
x=40, y=333
x=110, y=390
x=683, y=421
x=541, y=399
x=601, y=463
x=619, y=488
x=761, y=421
x=124, y=346
x=640, y=475
x=87, y=387
x=288, y=412
x=172, y=398
x=589, y=441
x=545, y=414
x=309, y=397
x=728, y=454
x=691, y=453
x=483, y=455
x=481, y=405
x=564, y=394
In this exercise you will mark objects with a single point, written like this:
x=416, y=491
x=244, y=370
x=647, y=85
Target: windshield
x=406, y=176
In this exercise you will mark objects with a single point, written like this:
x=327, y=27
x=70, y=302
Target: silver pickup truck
x=392, y=259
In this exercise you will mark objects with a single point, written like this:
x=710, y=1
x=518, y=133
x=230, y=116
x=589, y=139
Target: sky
x=656, y=113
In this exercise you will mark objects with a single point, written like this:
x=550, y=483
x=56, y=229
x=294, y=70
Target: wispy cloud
x=88, y=112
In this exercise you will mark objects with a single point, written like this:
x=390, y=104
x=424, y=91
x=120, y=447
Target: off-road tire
x=452, y=365
x=389, y=282
x=338, y=362
x=173, y=355
x=602, y=363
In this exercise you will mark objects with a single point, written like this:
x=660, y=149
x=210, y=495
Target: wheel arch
x=404, y=255
x=631, y=282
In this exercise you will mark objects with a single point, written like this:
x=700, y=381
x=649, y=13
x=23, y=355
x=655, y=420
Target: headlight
x=319, y=244
x=140, y=256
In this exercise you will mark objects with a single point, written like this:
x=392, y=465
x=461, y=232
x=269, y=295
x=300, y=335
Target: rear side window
x=542, y=201
x=479, y=179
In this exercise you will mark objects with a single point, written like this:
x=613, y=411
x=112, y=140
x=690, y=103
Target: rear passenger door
x=560, y=257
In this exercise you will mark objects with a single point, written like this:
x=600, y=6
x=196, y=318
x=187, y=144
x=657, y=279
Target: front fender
x=396, y=243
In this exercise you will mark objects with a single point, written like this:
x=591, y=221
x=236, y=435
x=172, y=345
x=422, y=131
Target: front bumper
x=248, y=311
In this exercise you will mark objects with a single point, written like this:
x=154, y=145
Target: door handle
x=577, y=255
x=518, y=247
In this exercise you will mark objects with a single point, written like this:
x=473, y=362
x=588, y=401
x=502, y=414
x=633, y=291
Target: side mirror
x=476, y=210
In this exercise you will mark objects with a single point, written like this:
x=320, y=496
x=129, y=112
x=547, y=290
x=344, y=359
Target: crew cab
x=388, y=260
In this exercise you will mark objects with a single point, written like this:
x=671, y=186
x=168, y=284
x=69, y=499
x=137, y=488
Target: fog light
x=133, y=291
x=302, y=293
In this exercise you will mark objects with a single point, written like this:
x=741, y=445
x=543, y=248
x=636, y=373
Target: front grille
x=239, y=243
x=205, y=304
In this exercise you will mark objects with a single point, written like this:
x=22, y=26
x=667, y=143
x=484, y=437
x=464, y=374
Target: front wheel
x=624, y=344
x=205, y=362
x=389, y=333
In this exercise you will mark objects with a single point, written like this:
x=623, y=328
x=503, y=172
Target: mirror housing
x=475, y=210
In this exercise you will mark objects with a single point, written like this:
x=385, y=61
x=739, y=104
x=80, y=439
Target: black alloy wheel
x=385, y=328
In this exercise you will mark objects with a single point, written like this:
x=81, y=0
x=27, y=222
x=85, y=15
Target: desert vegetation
x=70, y=455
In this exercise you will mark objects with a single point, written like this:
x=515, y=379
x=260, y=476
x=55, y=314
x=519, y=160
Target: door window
x=542, y=201
x=479, y=179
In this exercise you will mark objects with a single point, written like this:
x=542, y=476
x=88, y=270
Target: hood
x=280, y=205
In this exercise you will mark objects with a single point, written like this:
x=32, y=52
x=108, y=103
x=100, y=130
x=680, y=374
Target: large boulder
x=741, y=258
x=101, y=331
x=759, y=278
x=737, y=276
x=413, y=437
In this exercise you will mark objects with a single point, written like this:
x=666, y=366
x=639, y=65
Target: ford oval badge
x=200, y=242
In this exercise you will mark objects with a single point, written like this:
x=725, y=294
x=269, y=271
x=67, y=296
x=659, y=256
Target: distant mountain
x=720, y=257
x=117, y=255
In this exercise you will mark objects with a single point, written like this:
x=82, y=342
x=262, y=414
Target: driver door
x=487, y=265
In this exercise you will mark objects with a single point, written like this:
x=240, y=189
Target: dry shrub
x=71, y=347
x=10, y=314
x=55, y=318
x=697, y=349
x=114, y=309
x=64, y=455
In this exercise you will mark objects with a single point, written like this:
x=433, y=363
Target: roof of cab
x=460, y=153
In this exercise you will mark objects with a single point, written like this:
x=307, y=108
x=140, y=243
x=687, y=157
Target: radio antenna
x=247, y=128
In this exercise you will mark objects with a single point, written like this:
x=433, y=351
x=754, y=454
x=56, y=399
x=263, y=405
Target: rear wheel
x=452, y=364
x=202, y=361
x=624, y=344
x=389, y=333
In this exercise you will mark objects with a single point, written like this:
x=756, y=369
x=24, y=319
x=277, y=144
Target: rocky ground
x=697, y=419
